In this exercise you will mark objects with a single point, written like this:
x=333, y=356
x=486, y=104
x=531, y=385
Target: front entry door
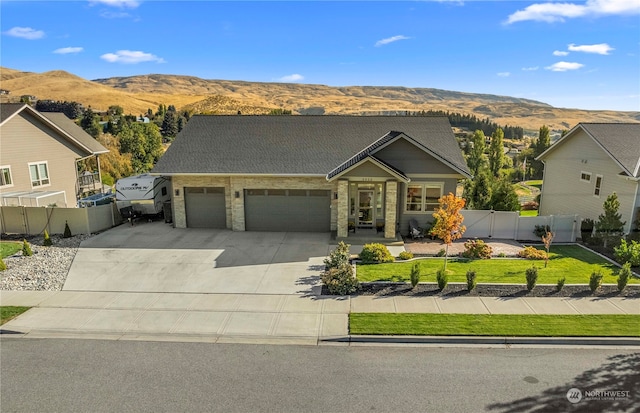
x=365, y=209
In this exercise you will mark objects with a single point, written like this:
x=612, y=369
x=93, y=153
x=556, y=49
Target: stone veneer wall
x=237, y=184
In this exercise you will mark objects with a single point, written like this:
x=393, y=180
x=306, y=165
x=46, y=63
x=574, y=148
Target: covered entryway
x=205, y=207
x=298, y=210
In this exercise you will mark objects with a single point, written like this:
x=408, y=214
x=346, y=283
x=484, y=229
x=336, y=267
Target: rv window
x=164, y=190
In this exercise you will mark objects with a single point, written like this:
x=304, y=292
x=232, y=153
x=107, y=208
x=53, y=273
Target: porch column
x=390, y=207
x=343, y=209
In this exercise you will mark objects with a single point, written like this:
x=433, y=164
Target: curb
x=550, y=341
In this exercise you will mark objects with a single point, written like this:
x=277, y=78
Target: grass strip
x=513, y=325
x=7, y=313
x=570, y=261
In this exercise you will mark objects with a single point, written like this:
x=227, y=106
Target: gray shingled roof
x=291, y=145
x=69, y=127
x=621, y=140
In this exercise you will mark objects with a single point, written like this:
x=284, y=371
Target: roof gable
x=621, y=141
x=296, y=145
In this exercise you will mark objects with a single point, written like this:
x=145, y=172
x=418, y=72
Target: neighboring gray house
x=38, y=156
x=311, y=173
x=588, y=164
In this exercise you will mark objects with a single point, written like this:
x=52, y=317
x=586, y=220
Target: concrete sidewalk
x=267, y=318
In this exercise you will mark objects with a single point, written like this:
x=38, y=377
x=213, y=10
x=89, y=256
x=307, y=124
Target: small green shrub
x=405, y=255
x=3, y=266
x=532, y=253
x=532, y=277
x=67, y=230
x=441, y=253
x=415, y=274
x=338, y=256
x=26, y=248
x=560, y=284
x=502, y=255
x=541, y=230
x=375, y=253
x=340, y=280
x=628, y=252
x=442, y=278
x=47, y=239
x=471, y=280
x=623, y=276
x=595, y=281
x=477, y=249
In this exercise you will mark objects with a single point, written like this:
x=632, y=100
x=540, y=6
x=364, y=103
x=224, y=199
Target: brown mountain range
x=138, y=93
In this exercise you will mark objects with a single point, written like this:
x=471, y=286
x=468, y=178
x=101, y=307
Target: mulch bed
x=490, y=290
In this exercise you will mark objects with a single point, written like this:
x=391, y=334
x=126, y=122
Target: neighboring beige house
x=39, y=153
x=592, y=161
x=367, y=174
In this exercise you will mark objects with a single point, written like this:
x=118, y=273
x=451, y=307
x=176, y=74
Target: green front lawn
x=517, y=325
x=534, y=182
x=570, y=261
x=7, y=313
x=8, y=248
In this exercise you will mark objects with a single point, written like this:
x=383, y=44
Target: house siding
x=26, y=139
x=367, y=169
x=406, y=157
x=564, y=193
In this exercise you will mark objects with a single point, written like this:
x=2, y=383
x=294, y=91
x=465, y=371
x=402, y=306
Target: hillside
x=138, y=93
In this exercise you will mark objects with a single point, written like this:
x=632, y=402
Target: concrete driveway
x=155, y=257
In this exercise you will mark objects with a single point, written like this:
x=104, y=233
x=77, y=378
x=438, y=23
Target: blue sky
x=575, y=54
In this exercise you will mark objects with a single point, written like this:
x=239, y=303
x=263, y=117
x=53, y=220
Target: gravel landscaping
x=46, y=269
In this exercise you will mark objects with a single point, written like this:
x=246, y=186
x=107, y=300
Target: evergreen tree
x=170, y=125
x=540, y=145
x=496, y=152
x=503, y=196
x=477, y=158
x=90, y=122
x=480, y=191
x=609, y=224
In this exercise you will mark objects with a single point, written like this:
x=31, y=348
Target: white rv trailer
x=145, y=194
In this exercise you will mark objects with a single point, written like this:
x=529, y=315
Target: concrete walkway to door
x=155, y=257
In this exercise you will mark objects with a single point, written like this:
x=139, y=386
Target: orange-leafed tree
x=448, y=221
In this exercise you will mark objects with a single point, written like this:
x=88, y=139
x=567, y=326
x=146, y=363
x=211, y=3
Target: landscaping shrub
x=338, y=256
x=623, y=276
x=532, y=277
x=26, y=248
x=595, y=281
x=441, y=253
x=340, y=280
x=67, y=230
x=477, y=249
x=541, y=230
x=502, y=255
x=442, y=278
x=628, y=252
x=415, y=274
x=375, y=253
x=47, y=239
x=532, y=253
x=405, y=255
x=560, y=284
x=471, y=280
x=3, y=266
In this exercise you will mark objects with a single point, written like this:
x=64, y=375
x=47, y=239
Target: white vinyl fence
x=510, y=225
x=34, y=220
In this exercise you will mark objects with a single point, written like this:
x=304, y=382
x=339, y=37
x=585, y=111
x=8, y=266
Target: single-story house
x=589, y=163
x=311, y=173
x=39, y=154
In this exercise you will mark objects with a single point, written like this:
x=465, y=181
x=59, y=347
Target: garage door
x=298, y=210
x=205, y=207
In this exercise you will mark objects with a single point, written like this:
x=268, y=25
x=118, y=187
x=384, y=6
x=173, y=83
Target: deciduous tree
x=448, y=221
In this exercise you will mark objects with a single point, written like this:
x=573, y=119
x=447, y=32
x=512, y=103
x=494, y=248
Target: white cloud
x=564, y=66
x=130, y=4
x=291, y=78
x=558, y=12
x=504, y=74
x=25, y=33
x=601, y=48
x=391, y=40
x=114, y=15
x=68, y=50
x=530, y=69
x=560, y=53
x=131, y=57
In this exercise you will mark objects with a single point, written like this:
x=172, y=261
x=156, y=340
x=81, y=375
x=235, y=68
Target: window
x=585, y=176
x=5, y=176
x=39, y=174
x=598, y=186
x=422, y=198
